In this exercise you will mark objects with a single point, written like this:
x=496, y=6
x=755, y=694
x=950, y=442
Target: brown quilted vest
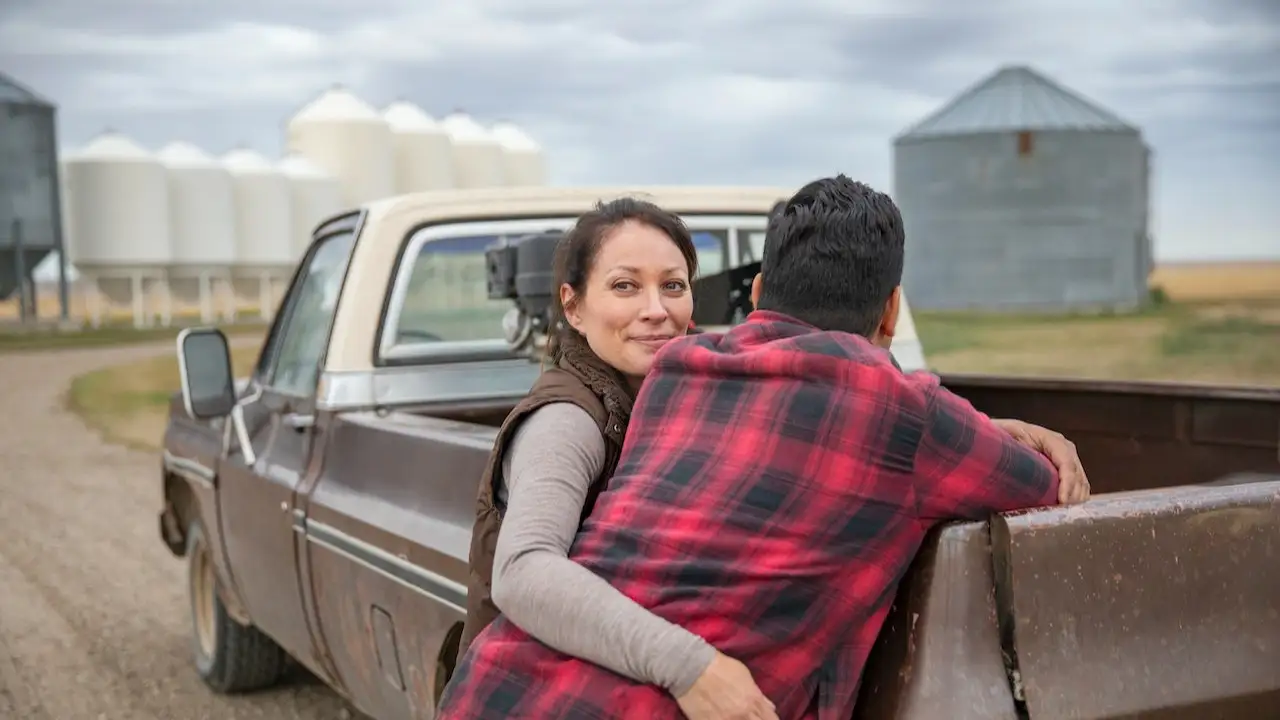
x=584, y=380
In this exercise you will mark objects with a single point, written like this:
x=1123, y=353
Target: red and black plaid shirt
x=775, y=484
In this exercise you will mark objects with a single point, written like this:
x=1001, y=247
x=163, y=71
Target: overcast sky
x=716, y=91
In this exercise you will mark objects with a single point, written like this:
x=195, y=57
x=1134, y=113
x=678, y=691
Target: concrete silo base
x=141, y=294
x=206, y=292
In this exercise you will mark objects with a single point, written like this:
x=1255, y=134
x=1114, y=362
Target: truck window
x=446, y=298
x=292, y=360
x=713, y=248
x=439, y=305
x=750, y=247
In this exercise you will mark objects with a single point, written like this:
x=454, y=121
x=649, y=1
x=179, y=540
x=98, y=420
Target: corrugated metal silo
x=1022, y=194
x=264, y=228
x=348, y=139
x=424, y=152
x=117, y=205
x=30, y=219
x=477, y=157
x=522, y=157
x=315, y=196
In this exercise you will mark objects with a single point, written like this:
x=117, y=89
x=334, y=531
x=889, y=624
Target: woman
x=623, y=275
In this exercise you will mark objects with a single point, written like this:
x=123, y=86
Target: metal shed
x=30, y=213
x=1021, y=194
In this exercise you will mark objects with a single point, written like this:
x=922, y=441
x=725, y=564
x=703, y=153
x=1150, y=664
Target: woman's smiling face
x=637, y=297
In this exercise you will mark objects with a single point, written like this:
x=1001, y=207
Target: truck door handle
x=299, y=421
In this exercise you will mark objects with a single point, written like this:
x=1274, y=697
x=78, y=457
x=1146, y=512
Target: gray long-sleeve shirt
x=549, y=465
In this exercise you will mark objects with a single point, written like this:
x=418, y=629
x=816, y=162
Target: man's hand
x=1073, y=484
x=726, y=691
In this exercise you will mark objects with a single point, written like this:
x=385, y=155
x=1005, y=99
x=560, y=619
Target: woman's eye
x=624, y=285
x=676, y=286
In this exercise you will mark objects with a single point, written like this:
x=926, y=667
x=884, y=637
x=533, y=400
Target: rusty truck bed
x=1155, y=599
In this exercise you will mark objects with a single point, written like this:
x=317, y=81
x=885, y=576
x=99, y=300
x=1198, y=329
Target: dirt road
x=93, y=609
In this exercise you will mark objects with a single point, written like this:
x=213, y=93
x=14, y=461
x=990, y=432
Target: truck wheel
x=229, y=657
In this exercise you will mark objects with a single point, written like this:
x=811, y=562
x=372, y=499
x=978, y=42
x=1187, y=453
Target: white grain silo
x=522, y=159
x=117, y=205
x=348, y=139
x=202, y=229
x=264, y=229
x=424, y=153
x=315, y=196
x=477, y=157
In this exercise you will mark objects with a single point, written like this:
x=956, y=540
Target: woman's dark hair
x=576, y=253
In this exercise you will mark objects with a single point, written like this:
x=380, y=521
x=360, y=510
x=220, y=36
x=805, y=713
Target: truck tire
x=229, y=657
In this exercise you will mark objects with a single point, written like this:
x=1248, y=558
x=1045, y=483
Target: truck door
x=256, y=499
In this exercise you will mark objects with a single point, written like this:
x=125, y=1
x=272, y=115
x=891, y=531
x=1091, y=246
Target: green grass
x=17, y=339
x=129, y=404
x=1206, y=337
x=1227, y=343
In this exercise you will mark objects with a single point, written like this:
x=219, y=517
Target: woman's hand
x=726, y=691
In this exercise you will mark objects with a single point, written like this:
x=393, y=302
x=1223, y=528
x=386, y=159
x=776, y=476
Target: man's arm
x=967, y=467
x=1073, y=483
x=550, y=463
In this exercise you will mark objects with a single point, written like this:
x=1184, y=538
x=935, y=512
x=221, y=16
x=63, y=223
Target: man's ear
x=889, y=321
x=756, y=282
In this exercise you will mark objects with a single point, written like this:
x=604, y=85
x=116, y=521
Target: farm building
x=30, y=218
x=1020, y=194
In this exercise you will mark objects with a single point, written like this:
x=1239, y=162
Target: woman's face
x=636, y=298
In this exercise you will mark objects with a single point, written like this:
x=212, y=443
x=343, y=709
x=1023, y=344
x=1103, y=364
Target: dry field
x=1222, y=343
x=1201, y=281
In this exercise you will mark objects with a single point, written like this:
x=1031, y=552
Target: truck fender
x=181, y=506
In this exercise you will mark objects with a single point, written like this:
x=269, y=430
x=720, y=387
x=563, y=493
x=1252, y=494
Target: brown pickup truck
x=324, y=506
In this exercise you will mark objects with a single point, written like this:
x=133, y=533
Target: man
x=776, y=483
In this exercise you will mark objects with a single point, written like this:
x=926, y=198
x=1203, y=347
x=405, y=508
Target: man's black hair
x=833, y=254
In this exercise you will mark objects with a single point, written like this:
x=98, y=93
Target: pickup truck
x=324, y=505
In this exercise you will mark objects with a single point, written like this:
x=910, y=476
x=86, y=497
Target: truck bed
x=1130, y=435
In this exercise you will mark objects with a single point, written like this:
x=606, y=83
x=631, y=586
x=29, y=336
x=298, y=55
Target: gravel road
x=93, y=609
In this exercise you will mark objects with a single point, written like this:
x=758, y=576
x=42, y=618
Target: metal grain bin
x=1020, y=194
x=28, y=187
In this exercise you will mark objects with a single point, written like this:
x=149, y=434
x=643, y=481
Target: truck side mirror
x=204, y=363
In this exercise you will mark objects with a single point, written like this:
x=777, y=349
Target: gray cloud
x=747, y=91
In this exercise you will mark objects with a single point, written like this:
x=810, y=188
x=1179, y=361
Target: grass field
x=1235, y=343
x=1222, y=343
x=128, y=403
x=15, y=339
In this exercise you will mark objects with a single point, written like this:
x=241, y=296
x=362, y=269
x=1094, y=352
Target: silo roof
x=1015, y=98
x=461, y=127
x=513, y=138
x=12, y=92
x=336, y=104
x=404, y=116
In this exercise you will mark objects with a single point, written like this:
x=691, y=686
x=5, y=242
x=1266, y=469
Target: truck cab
x=324, y=504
